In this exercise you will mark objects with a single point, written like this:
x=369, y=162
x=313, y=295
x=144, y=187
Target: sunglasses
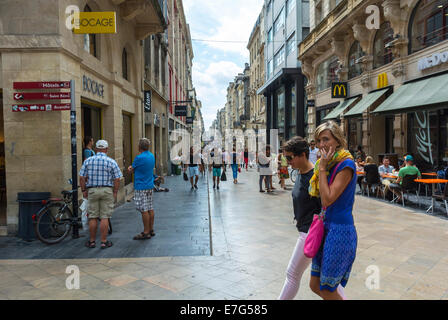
x=289, y=158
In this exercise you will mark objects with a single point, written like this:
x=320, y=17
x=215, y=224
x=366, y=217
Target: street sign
x=42, y=85
x=95, y=22
x=41, y=95
x=147, y=101
x=180, y=111
x=189, y=120
x=339, y=90
x=41, y=107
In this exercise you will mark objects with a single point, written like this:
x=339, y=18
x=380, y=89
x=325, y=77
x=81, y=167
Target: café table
x=360, y=173
x=431, y=174
x=433, y=182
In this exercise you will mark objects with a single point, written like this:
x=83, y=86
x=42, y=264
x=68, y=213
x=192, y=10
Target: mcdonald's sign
x=339, y=90
x=382, y=80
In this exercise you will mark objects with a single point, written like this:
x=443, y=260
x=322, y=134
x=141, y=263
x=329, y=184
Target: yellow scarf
x=339, y=156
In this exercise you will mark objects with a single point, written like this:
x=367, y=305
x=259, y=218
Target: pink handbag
x=316, y=233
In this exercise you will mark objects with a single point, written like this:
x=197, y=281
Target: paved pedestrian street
x=253, y=235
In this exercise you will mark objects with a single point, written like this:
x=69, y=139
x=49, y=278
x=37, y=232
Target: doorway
x=127, y=147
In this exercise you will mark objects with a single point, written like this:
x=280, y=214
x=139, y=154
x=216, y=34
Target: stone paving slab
x=253, y=237
x=181, y=226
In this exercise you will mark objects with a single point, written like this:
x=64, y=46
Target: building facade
x=108, y=74
x=286, y=24
x=396, y=76
x=257, y=74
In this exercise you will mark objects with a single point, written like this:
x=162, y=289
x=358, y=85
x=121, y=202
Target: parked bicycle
x=293, y=173
x=55, y=220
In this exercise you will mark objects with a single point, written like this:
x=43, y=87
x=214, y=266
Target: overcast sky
x=215, y=64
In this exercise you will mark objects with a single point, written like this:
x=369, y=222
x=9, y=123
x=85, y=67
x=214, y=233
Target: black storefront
x=286, y=104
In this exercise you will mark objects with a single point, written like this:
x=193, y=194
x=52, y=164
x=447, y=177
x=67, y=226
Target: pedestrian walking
x=88, y=148
x=282, y=168
x=333, y=262
x=314, y=152
x=100, y=180
x=264, y=167
x=246, y=158
x=192, y=166
x=143, y=170
x=235, y=165
x=216, y=167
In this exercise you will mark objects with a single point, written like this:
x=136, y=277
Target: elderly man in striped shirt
x=100, y=180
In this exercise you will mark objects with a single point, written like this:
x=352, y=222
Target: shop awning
x=344, y=105
x=365, y=103
x=412, y=95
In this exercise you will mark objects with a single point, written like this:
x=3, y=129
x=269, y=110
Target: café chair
x=409, y=185
x=374, y=182
x=441, y=197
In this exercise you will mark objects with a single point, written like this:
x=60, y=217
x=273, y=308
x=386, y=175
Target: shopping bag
x=84, y=216
x=223, y=176
x=185, y=177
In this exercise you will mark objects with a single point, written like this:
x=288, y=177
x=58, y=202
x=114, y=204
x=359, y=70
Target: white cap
x=102, y=144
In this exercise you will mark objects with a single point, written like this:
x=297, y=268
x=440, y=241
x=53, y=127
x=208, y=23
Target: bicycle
x=293, y=175
x=54, y=221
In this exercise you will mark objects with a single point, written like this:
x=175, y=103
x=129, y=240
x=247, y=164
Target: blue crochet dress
x=335, y=257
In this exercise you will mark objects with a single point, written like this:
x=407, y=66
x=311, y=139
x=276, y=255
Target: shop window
x=326, y=73
x=290, y=5
x=280, y=108
x=429, y=24
x=279, y=58
x=354, y=69
x=381, y=54
x=90, y=40
x=124, y=64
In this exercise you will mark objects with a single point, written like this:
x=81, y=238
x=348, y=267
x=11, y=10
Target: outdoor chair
x=409, y=185
x=373, y=180
x=442, y=197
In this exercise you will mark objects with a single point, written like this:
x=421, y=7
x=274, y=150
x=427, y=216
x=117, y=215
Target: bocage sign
x=92, y=86
x=339, y=90
x=90, y=22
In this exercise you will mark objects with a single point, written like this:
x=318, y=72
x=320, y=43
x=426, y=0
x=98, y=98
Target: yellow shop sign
x=95, y=22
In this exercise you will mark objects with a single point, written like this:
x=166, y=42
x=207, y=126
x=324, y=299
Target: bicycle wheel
x=294, y=174
x=54, y=223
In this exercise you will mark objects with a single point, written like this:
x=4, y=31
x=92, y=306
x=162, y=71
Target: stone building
x=397, y=100
x=36, y=45
x=257, y=74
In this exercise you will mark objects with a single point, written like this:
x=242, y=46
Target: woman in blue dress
x=332, y=264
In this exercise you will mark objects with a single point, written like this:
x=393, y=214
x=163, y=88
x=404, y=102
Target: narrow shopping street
x=253, y=236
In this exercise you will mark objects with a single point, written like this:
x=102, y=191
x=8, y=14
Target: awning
x=416, y=94
x=340, y=108
x=365, y=103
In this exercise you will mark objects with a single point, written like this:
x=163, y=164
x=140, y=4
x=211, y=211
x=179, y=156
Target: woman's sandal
x=90, y=244
x=143, y=236
x=106, y=244
x=152, y=233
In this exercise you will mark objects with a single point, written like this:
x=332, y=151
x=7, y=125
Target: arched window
x=124, y=64
x=354, y=69
x=429, y=24
x=326, y=73
x=381, y=54
x=90, y=40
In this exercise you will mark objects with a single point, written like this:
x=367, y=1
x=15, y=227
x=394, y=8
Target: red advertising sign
x=41, y=95
x=40, y=107
x=42, y=85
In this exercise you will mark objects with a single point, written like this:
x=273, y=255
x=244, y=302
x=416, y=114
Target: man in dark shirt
x=297, y=153
x=192, y=165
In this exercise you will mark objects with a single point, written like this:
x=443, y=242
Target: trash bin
x=29, y=204
x=178, y=170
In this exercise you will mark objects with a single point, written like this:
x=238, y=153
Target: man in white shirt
x=386, y=168
x=314, y=152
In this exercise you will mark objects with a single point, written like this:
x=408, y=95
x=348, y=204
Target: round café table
x=433, y=182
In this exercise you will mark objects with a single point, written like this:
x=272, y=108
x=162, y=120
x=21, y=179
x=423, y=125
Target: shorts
x=101, y=203
x=193, y=171
x=143, y=200
x=217, y=172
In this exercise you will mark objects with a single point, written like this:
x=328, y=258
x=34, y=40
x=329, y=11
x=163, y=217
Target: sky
x=215, y=64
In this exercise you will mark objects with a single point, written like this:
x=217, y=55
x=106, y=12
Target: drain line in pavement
x=209, y=212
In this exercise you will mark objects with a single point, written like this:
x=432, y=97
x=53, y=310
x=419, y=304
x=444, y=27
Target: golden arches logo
x=338, y=89
x=382, y=80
